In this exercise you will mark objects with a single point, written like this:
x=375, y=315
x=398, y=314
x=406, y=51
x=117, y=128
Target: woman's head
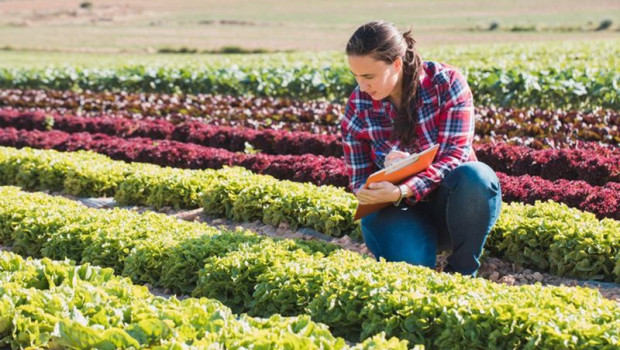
x=386, y=64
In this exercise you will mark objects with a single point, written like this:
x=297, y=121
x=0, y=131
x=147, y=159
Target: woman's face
x=377, y=78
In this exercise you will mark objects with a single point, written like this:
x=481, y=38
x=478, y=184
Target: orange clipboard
x=395, y=174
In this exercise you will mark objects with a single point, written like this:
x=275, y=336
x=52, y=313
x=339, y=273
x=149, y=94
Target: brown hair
x=384, y=42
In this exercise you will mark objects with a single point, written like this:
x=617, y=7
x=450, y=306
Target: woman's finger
x=395, y=155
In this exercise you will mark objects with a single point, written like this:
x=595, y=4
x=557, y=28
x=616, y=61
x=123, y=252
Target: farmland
x=202, y=201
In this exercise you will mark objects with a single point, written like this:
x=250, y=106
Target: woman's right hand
x=393, y=157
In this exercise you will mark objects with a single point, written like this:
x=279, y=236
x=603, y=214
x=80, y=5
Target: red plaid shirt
x=445, y=116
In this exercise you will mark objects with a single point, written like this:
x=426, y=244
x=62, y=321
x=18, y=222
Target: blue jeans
x=456, y=216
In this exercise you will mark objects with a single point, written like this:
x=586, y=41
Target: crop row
x=603, y=201
x=243, y=196
x=268, y=141
x=572, y=139
x=170, y=106
x=206, y=105
x=598, y=125
x=570, y=88
x=357, y=297
x=319, y=170
x=596, y=166
x=551, y=164
x=48, y=304
x=564, y=127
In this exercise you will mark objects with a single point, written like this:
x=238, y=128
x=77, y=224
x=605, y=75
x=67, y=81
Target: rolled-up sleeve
x=356, y=149
x=456, y=126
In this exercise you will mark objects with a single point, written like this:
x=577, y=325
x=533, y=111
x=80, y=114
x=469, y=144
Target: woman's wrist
x=402, y=192
x=395, y=194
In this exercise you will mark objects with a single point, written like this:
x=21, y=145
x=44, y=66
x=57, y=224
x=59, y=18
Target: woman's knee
x=474, y=175
x=473, y=204
x=420, y=252
x=400, y=235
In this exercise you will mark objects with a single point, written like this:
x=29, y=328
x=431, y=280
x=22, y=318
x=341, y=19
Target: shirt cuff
x=414, y=184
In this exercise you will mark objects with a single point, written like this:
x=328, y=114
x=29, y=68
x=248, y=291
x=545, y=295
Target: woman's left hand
x=378, y=192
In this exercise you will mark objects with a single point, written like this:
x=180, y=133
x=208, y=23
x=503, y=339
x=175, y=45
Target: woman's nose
x=363, y=85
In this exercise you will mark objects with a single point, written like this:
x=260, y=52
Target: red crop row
x=604, y=201
x=595, y=167
x=499, y=124
x=319, y=129
x=595, y=164
x=318, y=170
x=233, y=139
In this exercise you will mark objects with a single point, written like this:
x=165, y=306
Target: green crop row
x=234, y=192
x=356, y=296
x=57, y=305
x=573, y=77
x=552, y=236
x=580, y=244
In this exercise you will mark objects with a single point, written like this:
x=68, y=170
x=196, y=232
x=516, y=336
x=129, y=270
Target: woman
x=404, y=105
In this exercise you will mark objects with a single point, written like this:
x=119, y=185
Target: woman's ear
x=398, y=63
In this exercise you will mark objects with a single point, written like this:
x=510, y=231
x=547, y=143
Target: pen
x=379, y=153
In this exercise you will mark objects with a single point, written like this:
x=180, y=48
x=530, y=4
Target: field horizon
x=113, y=26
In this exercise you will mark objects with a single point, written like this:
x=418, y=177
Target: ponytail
x=407, y=113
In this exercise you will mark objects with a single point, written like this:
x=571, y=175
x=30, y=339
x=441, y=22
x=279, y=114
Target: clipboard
x=395, y=174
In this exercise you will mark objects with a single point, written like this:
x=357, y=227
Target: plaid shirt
x=446, y=116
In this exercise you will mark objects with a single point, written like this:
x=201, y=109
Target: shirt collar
x=424, y=91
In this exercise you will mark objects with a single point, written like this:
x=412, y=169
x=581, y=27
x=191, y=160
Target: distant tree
x=605, y=24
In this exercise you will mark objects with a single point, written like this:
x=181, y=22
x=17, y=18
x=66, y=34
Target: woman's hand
x=393, y=157
x=378, y=192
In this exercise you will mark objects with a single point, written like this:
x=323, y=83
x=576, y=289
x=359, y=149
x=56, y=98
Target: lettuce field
x=259, y=141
